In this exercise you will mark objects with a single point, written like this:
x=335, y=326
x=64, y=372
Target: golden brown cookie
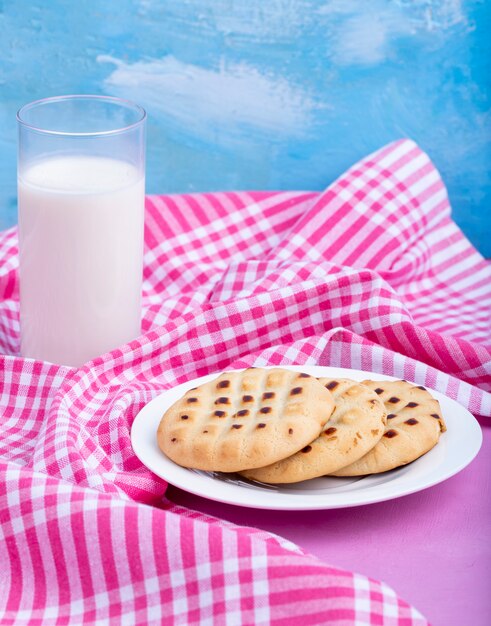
x=245, y=419
x=356, y=425
x=414, y=425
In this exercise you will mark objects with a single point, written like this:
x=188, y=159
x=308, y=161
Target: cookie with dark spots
x=356, y=425
x=245, y=419
x=415, y=423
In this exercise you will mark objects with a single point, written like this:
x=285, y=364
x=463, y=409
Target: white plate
x=456, y=449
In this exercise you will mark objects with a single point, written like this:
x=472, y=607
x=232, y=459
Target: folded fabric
x=371, y=274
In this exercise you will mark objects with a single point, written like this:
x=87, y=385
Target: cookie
x=414, y=426
x=245, y=419
x=356, y=425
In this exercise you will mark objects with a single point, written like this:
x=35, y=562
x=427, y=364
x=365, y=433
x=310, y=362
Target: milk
x=81, y=256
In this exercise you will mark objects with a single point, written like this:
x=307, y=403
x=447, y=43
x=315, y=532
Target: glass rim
x=128, y=104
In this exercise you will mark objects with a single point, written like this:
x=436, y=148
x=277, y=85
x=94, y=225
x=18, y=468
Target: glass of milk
x=81, y=182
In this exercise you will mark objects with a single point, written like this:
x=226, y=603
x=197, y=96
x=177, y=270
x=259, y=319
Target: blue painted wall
x=266, y=94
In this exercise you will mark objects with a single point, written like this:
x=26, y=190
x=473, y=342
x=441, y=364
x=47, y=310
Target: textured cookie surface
x=414, y=425
x=356, y=425
x=245, y=419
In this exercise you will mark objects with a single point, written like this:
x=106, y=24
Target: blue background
x=278, y=94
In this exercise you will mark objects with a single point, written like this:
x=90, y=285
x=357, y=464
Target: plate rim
x=286, y=501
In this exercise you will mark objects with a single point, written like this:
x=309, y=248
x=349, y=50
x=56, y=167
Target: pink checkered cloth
x=370, y=274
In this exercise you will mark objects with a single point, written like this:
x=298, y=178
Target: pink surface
x=370, y=274
x=434, y=547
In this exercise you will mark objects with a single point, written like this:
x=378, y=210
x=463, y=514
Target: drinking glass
x=81, y=182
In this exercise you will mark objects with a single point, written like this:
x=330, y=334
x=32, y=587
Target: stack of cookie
x=278, y=426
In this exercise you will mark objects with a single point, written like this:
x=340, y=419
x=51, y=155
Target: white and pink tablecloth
x=370, y=274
